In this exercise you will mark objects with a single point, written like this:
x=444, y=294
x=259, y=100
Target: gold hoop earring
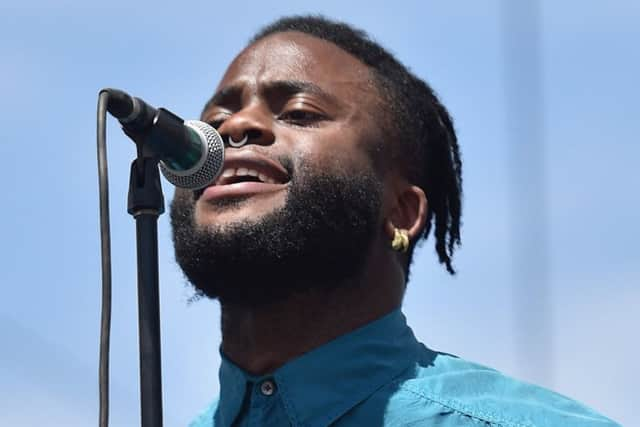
x=400, y=240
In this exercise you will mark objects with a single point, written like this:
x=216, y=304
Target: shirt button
x=267, y=388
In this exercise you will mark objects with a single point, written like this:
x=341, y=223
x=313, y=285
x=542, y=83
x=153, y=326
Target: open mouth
x=247, y=173
x=231, y=175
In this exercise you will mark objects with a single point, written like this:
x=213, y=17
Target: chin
x=236, y=210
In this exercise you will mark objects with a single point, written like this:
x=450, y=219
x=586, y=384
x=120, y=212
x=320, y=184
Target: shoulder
x=458, y=392
x=205, y=419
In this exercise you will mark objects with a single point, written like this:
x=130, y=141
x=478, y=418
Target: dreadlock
x=429, y=150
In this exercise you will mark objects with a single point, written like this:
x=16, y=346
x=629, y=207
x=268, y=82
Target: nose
x=252, y=122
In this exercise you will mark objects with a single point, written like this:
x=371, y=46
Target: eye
x=301, y=117
x=217, y=122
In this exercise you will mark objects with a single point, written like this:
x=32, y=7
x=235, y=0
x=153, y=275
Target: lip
x=239, y=189
x=250, y=160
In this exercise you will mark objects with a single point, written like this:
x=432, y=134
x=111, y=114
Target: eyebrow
x=292, y=87
x=230, y=94
x=223, y=97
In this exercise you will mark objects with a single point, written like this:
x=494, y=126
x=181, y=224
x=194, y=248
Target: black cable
x=105, y=240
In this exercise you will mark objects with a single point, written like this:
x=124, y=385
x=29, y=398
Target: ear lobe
x=410, y=213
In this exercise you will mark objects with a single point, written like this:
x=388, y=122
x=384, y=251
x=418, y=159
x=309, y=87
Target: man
x=339, y=161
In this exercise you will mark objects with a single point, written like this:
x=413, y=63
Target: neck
x=261, y=339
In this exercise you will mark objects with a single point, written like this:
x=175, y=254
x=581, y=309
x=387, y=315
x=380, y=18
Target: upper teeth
x=229, y=172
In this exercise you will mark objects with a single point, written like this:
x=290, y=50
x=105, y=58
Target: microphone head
x=207, y=168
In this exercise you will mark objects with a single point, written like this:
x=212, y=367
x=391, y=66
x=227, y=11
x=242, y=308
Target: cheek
x=337, y=152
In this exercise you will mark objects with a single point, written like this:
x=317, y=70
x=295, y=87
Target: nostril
x=254, y=133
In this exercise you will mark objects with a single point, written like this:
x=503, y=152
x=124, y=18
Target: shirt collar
x=320, y=386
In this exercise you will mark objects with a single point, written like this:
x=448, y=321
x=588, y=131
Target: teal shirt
x=381, y=376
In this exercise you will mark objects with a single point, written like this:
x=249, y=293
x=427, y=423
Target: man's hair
x=427, y=147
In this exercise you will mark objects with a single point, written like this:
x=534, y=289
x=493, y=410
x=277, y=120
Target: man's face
x=309, y=110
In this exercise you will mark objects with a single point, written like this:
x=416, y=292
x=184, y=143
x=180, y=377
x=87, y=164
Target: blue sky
x=583, y=342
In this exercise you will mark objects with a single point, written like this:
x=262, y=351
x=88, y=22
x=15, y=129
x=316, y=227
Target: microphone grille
x=208, y=169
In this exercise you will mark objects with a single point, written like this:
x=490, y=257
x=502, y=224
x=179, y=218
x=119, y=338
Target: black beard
x=318, y=241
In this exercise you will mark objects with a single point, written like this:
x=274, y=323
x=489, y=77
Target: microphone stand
x=146, y=204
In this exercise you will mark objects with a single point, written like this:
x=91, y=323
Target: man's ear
x=409, y=213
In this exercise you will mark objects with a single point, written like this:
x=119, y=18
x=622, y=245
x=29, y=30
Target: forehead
x=298, y=56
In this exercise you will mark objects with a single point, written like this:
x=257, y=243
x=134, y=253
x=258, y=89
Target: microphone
x=191, y=152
